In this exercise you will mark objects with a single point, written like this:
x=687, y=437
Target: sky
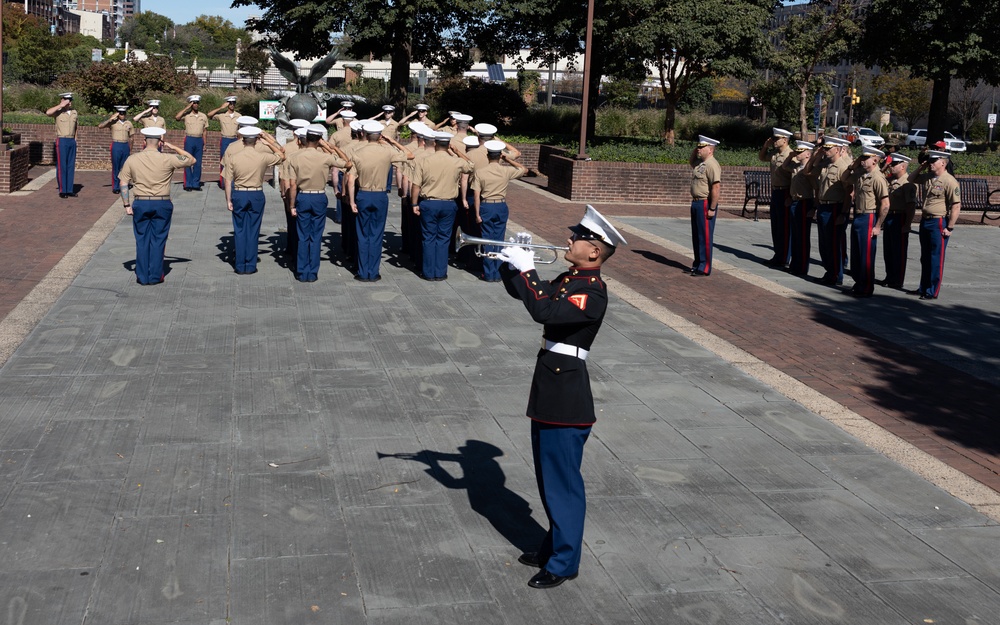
x=184, y=11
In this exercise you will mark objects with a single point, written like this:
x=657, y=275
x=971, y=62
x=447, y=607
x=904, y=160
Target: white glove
x=518, y=258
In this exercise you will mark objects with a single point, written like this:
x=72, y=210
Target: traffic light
x=852, y=95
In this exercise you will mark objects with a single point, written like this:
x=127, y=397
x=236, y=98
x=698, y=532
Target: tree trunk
x=669, y=121
x=803, y=96
x=937, y=119
x=399, y=75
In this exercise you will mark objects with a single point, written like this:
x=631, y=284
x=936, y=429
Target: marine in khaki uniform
x=245, y=194
x=706, y=184
x=433, y=189
x=66, y=120
x=368, y=199
x=833, y=206
x=284, y=184
x=896, y=228
x=228, y=128
x=775, y=151
x=344, y=215
x=195, y=131
x=309, y=171
x=801, y=206
x=869, y=192
x=489, y=200
x=121, y=143
x=145, y=191
x=338, y=119
x=151, y=118
x=939, y=214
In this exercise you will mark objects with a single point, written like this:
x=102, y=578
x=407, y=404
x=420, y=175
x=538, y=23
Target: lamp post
x=582, y=154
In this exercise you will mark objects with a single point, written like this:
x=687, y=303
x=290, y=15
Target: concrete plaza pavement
x=249, y=449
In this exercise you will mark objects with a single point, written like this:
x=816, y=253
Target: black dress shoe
x=698, y=274
x=115, y=191
x=543, y=580
x=63, y=195
x=530, y=558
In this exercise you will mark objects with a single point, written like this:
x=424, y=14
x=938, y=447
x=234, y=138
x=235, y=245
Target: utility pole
x=850, y=110
x=582, y=154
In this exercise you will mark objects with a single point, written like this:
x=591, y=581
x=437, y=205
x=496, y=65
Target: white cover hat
x=802, y=146
x=66, y=96
x=597, y=227
x=315, y=129
x=121, y=108
x=348, y=114
x=346, y=104
x=836, y=141
x=443, y=137
x=422, y=107
x=494, y=146
x=898, y=158
x=194, y=98
x=372, y=127
x=356, y=125
x=388, y=107
x=937, y=154
x=246, y=120
x=870, y=151
x=153, y=131
x=249, y=131
x=298, y=123
x=230, y=98
x=471, y=141
x=153, y=103
x=485, y=129
x=780, y=132
x=300, y=131
x=462, y=117
x=703, y=140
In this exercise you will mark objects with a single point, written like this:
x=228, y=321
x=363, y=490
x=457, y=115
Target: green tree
x=781, y=103
x=621, y=93
x=406, y=31
x=691, y=41
x=940, y=41
x=105, y=85
x=254, y=61
x=822, y=36
x=906, y=97
x=146, y=31
x=966, y=103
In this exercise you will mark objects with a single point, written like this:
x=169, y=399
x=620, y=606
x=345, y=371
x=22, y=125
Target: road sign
x=991, y=119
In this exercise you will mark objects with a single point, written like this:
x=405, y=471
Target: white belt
x=565, y=350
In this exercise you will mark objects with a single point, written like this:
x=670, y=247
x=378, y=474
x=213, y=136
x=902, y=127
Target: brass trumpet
x=463, y=239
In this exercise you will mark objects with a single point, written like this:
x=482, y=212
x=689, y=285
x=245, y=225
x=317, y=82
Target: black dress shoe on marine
x=530, y=558
x=63, y=196
x=543, y=580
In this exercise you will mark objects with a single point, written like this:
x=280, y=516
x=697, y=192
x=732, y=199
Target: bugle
x=542, y=252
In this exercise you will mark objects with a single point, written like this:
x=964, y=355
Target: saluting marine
x=941, y=208
x=227, y=126
x=121, y=143
x=833, y=206
x=776, y=151
x=145, y=191
x=66, y=121
x=869, y=192
x=896, y=228
x=151, y=118
x=801, y=207
x=195, y=131
x=489, y=187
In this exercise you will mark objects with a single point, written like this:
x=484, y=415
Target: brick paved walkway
x=944, y=412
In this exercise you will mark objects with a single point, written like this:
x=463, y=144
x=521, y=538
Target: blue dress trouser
x=373, y=209
x=933, y=244
x=65, y=163
x=780, y=231
x=310, y=222
x=248, y=212
x=119, y=152
x=702, y=235
x=494, y=226
x=830, y=251
x=436, y=220
x=895, y=239
x=338, y=210
x=558, y=454
x=195, y=146
x=863, y=248
x=801, y=236
x=151, y=224
x=224, y=143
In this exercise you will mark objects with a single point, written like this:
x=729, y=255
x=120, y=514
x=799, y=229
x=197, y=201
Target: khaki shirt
x=406, y=169
x=237, y=147
x=246, y=168
x=479, y=157
x=122, y=131
x=902, y=193
x=153, y=122
x=310, y=168
x=438, y=175
x=780, y=178
x=284, y=171
x=391, y=128
x=703, y=176
x=195, y=124
x=870, y=188
x=149, y=171
x=342, y=137
x=829, y=187
x=372, y=162
x=803, y=187
x=940, y=193
x=227, y=122
x=491, y=180
x=66, y=124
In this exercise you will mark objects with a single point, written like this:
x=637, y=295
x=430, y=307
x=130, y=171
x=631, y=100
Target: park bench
x=758, y=189
x=976, y=196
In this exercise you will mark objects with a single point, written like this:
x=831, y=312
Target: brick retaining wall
x=14, y=166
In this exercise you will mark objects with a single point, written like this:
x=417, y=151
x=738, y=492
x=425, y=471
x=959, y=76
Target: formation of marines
x=450, y=175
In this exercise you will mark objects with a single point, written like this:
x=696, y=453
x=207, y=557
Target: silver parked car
x=918, y=136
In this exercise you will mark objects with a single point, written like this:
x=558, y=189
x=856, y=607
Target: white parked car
x=918, y=136
x=862, y=136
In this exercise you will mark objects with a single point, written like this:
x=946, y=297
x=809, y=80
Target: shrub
x=486, y=102
x=105, y=85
